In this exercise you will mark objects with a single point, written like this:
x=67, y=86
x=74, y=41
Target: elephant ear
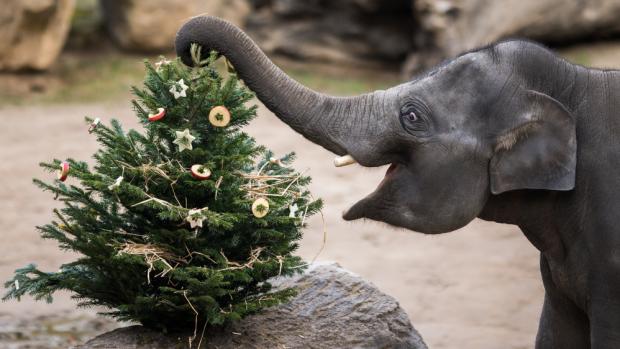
x=539, y=152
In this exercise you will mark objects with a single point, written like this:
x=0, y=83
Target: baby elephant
x=509, y=132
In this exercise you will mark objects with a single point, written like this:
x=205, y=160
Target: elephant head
x=470, y=128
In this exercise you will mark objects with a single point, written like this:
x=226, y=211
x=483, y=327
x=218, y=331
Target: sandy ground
x=478, y=287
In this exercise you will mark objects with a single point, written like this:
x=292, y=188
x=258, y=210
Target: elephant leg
x=562, y=324
x=605, y=311
x=605, y=327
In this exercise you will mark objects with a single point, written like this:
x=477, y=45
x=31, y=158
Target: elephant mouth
x=366, y=205
x=393, y=167
x=391, y=170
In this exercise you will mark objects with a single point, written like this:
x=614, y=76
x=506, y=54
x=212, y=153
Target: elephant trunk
x=339, y=124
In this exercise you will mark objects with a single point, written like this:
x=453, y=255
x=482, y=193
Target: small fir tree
x=183, y=224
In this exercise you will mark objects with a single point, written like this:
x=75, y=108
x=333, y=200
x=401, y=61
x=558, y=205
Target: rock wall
x=428, y=31
x=355, y=31
x=382, y=33
x=33, y=32
x=334, y=309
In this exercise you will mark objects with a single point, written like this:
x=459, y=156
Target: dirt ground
x=478, y=287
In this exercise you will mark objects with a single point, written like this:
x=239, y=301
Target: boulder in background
x=33, y=32
x=151, y=25
x=454, y=26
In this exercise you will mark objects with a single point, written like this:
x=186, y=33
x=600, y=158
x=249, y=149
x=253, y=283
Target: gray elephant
x=510, y=133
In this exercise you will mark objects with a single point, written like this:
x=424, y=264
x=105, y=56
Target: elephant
x=510, y=132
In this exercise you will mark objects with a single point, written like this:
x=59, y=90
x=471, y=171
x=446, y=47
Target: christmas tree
x=181, y=225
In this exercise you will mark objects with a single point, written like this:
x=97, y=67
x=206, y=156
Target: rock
x=151, y=25
x=454, y=26
x=33, y=32
x=334, y=309
x=362, y=32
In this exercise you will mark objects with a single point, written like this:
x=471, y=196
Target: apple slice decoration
x=64, y=171
x=161, y=112
x=260, y=207
x=200, y=172
x=219, y=116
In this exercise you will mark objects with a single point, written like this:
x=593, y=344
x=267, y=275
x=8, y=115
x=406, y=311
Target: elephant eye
x=412, y=121
x=412, y=117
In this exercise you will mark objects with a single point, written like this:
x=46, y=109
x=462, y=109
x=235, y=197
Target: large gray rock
x=454, y=26
x=334, y=309
x=33, y=32
x=151, y=25
x=362, y=32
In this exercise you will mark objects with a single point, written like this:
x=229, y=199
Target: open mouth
x=358, y=209
x=390, y=171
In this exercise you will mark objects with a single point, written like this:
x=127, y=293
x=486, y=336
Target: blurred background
x=61, y=60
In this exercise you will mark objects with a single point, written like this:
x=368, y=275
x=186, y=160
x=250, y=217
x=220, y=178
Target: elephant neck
x=533, y=211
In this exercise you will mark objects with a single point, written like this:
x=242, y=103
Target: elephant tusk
x=344, y=161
